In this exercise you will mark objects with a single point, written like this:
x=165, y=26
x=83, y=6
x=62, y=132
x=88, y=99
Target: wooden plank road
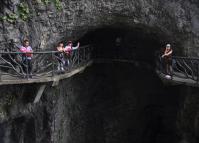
x=8, y=80
x=176, y=80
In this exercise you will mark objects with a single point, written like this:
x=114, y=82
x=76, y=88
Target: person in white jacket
x=168, y=60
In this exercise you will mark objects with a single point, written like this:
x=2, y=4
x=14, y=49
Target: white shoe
x=168, y=76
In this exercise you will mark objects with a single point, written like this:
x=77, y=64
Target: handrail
x=188, y=58
x=44, y=63
x=42, y=52
x=183, y=67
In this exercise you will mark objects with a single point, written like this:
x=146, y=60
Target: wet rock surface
x=99, y=105
x=106, y=103
x=47, y=25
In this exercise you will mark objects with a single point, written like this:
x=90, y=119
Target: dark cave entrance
x=136, y=43
x=147, y=109
x=130, y=104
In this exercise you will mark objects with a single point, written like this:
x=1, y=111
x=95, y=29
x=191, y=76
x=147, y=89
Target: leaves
x=23, y=11
x=11, y=18
x=57, y=3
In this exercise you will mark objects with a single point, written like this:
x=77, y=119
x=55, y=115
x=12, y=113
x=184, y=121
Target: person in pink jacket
x=27, y=57
x=68, y=49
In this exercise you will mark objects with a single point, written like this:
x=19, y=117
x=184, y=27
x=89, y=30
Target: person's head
x=61, y=44
x=26, y=43
x=168, y=46
x=69, y=43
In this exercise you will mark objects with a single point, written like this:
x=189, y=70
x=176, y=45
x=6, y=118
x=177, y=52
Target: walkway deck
x=176, y=80
x=45, y=66
x=185, y=71
x=55, y=79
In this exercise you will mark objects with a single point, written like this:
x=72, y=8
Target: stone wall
x=76, y=113
x=100, y=105
x=47, y=25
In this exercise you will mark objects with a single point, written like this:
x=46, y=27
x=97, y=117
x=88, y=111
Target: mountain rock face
x=95, y=106
x=71, y=20
x=99, y=106
x=106, y=103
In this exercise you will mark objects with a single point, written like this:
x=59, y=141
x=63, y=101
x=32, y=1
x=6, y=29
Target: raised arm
x=169, y=53
x=74, y=48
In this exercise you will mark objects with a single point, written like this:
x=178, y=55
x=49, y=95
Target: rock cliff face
x=176, y=20
x=99, y=105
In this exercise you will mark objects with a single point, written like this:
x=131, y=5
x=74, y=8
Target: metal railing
x=183, y=67
x=44, y=63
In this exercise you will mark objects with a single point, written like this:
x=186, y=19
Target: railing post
x=0, y=72
x=84, y=53
x=198, y=72
x=27, y=75
x=88, y=52
x=53, y=64
x=171, y=70
x=78, y=61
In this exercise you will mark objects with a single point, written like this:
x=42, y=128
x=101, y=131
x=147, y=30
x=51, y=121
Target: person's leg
x=165, y=66
x=59, y=65
x=30, y=68
x=167, y=69
x=170, y=67
x=25, y=66
x=67, y=62
x=63, y=64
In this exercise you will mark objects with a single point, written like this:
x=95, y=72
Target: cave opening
x=129, y=103
x=138, y=43
x=120, y=102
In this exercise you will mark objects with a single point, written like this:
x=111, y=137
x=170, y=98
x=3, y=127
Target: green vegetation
x=57, y=3
x=23, y=11
x=46, y=1
x=11, y=18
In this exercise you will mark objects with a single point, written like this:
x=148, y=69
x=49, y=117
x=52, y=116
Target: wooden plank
x=12, y=80
x=39, y=93
x=177, y=80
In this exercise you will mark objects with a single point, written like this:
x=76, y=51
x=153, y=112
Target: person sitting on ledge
x=168, y=60
x=68, y=49
x=27, y=57
x=60, y=56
